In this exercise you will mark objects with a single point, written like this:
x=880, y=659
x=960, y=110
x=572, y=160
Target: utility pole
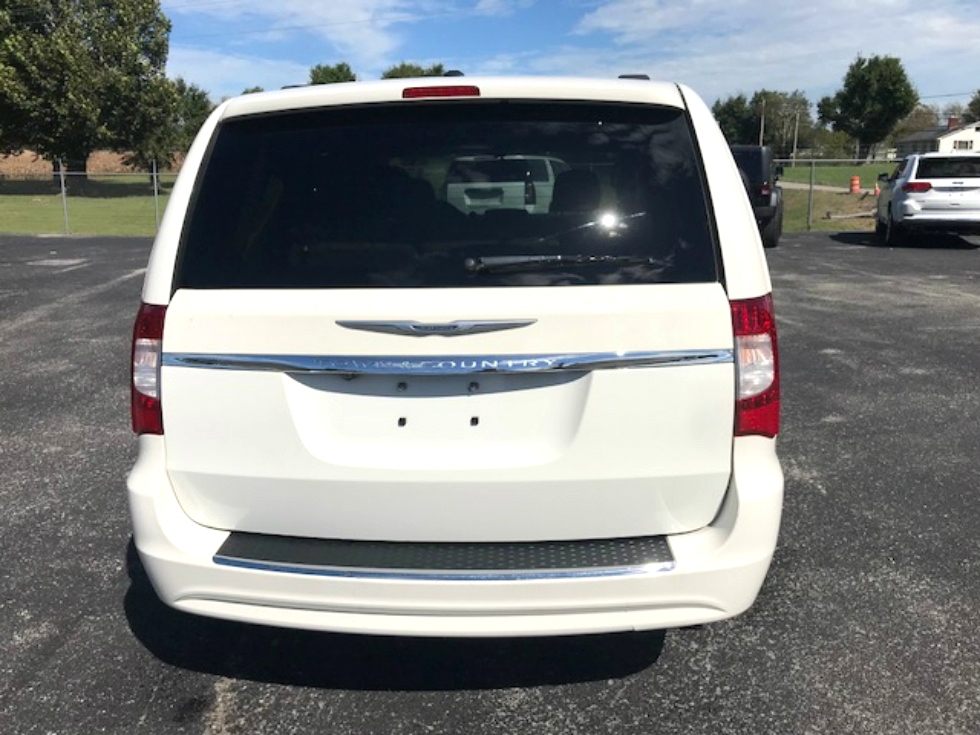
x=796, y=136
x=762, y=123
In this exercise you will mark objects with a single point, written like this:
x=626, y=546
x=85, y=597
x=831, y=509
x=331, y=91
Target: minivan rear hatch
x=348, y=355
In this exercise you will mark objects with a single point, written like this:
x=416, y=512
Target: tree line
x=876, y=105
x=78, y=76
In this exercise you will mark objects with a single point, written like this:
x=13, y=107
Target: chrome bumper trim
x=447, y=576
x=446, y=364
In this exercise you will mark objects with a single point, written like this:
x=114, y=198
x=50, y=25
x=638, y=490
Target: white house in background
x=954, y=137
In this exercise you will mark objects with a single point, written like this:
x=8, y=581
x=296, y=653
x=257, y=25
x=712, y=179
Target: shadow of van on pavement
x=375, y=663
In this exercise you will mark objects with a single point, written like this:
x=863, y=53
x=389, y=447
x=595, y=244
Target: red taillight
x=757, y=367
x=145, y=375
x=457, y=90
x=765, y=190
x=530, y=193
x=917, y=187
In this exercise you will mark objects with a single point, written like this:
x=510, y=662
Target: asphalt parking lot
x=869, y=621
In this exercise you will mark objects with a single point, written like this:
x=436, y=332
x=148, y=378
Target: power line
x=940, y=96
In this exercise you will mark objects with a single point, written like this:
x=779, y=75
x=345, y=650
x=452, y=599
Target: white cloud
x=505, y=64
x=501, y=7
x=226, y=75
x=719, y=47
x=361, y=32
x=724, y=46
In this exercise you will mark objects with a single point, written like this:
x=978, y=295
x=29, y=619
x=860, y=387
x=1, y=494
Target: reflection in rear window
x=948, y=168
x=496, y=170
x=356, y=197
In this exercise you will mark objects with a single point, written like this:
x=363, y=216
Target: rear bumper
x=913, y=217
x=767, y=209
x=933, y=223
x=717, y=574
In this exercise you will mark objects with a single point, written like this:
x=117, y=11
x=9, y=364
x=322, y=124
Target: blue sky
x=719, y=47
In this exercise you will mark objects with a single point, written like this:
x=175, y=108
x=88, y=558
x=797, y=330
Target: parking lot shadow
x=375, y=663
x=923, y=241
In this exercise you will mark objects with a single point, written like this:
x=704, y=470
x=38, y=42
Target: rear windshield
x=752, y=162
x=948, y=168
x=368, y=197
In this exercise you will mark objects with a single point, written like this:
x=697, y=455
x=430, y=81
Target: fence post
x=156, y=192
x=809, y=206
x=64, y=194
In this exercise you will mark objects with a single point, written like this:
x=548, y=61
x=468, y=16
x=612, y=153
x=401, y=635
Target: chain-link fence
x=818, y=195
x=69, y=203
x=830, y=194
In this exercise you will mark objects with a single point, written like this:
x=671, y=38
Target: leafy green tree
x=826, y=110
x=736, y=120
x=923, y=117
x=787, y=120
x=253, y=90
x=826, y=143
x=972, y=111
x=876, y=93
x=193, y=105
x=78, y=75
x=326, y=74
x=407, y=70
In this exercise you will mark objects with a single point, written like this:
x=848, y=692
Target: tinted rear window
x=948, y=168
x=356, y=197
x=752, y=162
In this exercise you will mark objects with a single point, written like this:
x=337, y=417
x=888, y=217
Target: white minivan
x=363, y=409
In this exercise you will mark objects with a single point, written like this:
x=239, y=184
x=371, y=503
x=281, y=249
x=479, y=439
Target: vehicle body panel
x=623, y=452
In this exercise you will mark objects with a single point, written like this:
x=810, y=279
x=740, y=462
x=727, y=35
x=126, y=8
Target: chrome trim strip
x=430, y=329
x=445, y=576
x=446, y=364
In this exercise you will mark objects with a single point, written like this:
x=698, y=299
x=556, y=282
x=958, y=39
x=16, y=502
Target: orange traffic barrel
x=855, y=185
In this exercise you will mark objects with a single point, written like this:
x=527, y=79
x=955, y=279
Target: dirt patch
x=100, y=162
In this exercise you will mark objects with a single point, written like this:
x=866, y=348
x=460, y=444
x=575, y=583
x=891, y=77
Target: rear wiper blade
x=498, y=263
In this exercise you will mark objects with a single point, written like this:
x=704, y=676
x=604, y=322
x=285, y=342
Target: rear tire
x=880, y=229
x=771, y=231
x=895, y=234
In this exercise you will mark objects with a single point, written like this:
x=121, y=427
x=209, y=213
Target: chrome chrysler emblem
x=443, y=329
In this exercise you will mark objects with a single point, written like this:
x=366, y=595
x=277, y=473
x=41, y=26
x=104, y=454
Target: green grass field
x=837, y=204
x=837, y=175
x=124, y=206
x=118, y=205
x=44, y=215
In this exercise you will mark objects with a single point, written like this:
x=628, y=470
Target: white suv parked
x=360, y=409
x=938, y=192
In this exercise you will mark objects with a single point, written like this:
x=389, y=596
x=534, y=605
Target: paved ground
x=868, y=623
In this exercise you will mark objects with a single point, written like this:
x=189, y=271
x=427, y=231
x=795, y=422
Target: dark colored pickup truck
x=760, y=174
